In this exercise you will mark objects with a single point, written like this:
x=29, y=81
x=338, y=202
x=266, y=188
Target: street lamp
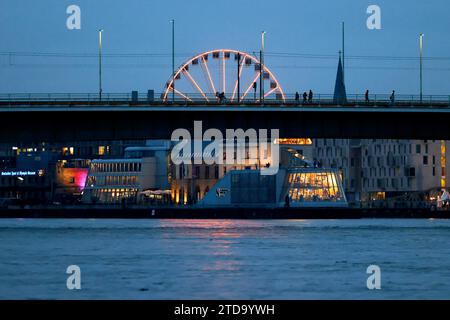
x=261, y=62
x=173, y=59
x=421, y=65
x=238, y=77
x=100, y=90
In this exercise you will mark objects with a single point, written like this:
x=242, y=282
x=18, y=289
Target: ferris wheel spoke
x=251, y=85
x=181, y=95
x=208, y=75
x=241, y=64
x=196, y=86
x=224, y=81
x=277, y=85
x=270, y=92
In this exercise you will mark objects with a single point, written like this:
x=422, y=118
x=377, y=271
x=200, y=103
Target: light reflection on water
x=224, y=259
x=221, y=235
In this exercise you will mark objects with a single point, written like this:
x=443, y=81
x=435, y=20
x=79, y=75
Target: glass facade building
x=312, y=185
x=301, y=187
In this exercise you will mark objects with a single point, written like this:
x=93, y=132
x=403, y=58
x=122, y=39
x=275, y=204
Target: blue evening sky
x=31, y=27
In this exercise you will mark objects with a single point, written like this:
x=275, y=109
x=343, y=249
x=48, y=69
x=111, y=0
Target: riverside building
x=387, y=171
x=140, y=176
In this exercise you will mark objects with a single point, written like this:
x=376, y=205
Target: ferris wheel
x=223, y=75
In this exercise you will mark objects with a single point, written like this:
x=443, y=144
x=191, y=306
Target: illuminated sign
x=18, y=173
x=21, y=173
x=294, y=141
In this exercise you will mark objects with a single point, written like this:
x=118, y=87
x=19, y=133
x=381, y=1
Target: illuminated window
x=314, y=186
x=443, y=163
x=68, y=151
x=177, y=196
x=101, y=150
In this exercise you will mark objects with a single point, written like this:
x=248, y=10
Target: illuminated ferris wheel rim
x=184, y=67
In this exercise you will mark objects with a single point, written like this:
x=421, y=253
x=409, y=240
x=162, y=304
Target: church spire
x=340, y=94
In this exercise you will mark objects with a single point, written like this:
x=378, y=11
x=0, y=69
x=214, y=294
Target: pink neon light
x=181, y=94
x=250, y=86
x=240, y=73
x=224, y=84
x=195, y=84
x=205, y=65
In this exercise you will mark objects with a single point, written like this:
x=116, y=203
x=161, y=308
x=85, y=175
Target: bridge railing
x=64, y=97
x=251, y=98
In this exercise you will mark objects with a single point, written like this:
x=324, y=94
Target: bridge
x=30, y=118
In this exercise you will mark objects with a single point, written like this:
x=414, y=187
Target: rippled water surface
x=224, y=259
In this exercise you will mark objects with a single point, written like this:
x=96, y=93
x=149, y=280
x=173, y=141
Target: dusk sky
x=69, y=64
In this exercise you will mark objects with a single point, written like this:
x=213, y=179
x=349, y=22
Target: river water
x=224, y=259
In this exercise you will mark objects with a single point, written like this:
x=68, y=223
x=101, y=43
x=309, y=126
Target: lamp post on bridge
x=173, y=59
x=100, y=49
x=421, y=65
x=261, y=65
x=238, y=77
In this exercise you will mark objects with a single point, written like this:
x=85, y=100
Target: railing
x=353, y=100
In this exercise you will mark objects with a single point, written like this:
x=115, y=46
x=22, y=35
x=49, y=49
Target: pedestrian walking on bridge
x=392, y=98
x=310, y=97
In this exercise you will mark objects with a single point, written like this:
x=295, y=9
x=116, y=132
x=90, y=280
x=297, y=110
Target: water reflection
x=222, y=236
x=224, y=259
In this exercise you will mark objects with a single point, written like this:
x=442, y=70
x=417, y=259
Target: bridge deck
x=44, y=107
x=118, y=99
x=122, y=119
